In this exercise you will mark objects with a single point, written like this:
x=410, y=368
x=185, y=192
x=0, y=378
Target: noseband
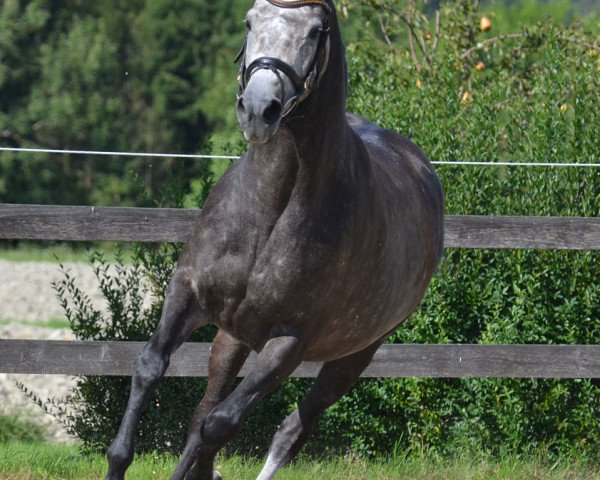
x=302, y=86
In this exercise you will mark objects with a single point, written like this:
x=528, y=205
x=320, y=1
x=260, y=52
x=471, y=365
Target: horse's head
x=283, y=57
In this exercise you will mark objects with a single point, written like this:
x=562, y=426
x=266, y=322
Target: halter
x=302, y=86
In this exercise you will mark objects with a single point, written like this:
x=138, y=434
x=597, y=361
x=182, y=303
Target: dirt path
x=26, y=295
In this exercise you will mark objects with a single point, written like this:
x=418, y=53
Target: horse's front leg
x=227, y=356
x=181, y=315
x=279, y=357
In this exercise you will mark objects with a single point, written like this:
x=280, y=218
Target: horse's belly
x=370, y=313
x=343, y=336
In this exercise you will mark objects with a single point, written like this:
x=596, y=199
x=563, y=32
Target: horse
x=314, y=246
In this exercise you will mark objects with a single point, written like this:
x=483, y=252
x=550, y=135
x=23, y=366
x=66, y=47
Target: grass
x=55, y=252
x=53, y=323
x=13, y=428
x=39, y=461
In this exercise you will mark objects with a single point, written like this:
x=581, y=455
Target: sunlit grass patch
x=55, y=252
x=40, y=461
x=52, y=323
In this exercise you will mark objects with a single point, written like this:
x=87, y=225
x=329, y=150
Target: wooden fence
x=38, y=222
x=35, y=222
x=191, y=360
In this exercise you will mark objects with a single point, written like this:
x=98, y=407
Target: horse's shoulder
x=390, y=150
x=375, y=136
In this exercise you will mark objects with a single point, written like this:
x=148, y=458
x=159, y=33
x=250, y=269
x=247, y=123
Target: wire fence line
x=118, y=154
x=235, y=157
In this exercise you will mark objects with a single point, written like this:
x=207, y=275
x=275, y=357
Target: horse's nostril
x=272, y=113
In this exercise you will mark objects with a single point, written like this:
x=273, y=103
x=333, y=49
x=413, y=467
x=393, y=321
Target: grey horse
x=315, y=245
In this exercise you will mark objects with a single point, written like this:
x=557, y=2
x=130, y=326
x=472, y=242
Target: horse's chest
x=263, y=281
x=228, y=263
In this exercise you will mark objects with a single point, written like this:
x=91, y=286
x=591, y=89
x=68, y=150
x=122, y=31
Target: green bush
x=94, y=411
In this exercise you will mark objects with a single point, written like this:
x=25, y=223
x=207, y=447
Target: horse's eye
x=247, y=23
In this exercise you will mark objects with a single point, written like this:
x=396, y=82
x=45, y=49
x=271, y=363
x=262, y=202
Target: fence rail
x=41, y=222
x=437, y=361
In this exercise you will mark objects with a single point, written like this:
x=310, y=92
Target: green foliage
x=94, y=411
x=134, y=295
x=15, y=429
x=106, y=75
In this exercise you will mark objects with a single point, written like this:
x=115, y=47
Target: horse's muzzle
x=259, y=109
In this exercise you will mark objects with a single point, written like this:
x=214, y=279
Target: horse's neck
x=270, y=171
x=322, y=135
x=320, y=128
x=314, y=145
x=324, y=143
x=305, y=160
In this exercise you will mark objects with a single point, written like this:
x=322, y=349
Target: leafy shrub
x=94, y=411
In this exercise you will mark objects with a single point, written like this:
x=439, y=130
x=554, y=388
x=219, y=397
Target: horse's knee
x=119, y=456
x=220, y=425
x=150, y=365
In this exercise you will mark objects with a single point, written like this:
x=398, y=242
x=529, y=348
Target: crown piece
x=300, y=3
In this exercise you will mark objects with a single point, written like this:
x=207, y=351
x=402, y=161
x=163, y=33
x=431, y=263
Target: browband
x=300, y=3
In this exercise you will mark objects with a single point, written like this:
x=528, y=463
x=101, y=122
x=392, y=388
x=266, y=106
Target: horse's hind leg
x=334, y=380
x=180, y=317
x=227, y=356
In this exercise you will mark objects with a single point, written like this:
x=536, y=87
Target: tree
x=107, y=76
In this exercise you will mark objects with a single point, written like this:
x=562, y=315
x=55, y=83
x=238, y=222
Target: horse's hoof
x=114, y=476
x=217, y=476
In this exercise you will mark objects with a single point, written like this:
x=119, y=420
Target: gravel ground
x=14, y=402
x=26, y=289
x=26, y=295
